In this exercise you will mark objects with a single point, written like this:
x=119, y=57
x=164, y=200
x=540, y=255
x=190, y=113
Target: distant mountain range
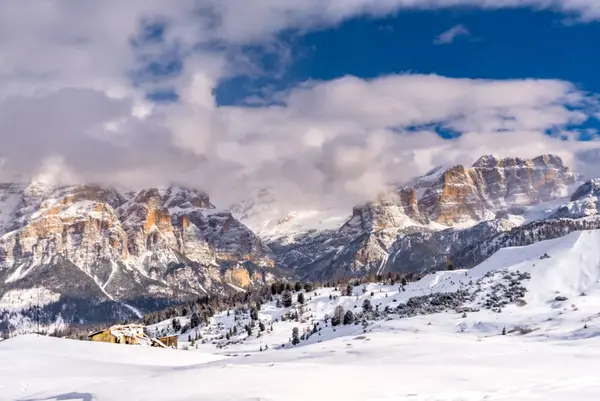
x=89, y=253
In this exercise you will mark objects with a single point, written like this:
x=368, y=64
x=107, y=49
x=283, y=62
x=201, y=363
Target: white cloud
x=451, y=34
x=66, y=96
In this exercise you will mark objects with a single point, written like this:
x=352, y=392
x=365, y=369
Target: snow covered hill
x=442, y=336
x=550, y=288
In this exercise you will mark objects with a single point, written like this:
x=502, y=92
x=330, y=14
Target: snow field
x=551, y=350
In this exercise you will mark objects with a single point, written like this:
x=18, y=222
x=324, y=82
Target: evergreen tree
x=261, y=326
x=504, y=331
x=194, y=320
x=249, y=330
x=301, y=298
x=253, y=313
x=297, y=286
x=367, y=306
x=349, y=290
x=349, y=317
x=295, y=336
x=176, y=324
x=286, y=299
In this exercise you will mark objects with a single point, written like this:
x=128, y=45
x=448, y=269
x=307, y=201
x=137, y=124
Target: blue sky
x=501, y=44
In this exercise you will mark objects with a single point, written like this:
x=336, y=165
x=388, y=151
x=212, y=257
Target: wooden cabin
x=104, y=336
x=121, y=334
x=169, y=342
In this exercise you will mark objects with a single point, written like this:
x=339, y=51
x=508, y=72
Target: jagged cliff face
x=491, y=184
x=156, y=245
x=386, y=235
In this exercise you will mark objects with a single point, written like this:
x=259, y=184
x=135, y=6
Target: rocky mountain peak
x=472, y=194
x=155, y=245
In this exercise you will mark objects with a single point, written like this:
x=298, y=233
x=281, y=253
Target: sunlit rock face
x=169, y=244
x=474, y=193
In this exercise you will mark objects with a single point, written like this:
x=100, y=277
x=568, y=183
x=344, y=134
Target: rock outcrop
x=585, y=202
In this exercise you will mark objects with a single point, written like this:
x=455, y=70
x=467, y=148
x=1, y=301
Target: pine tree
x=349, y=317
x=297, y=286
x=504, y=331
x=286, y=299
x=367, y=306
x=194, y=320
x=295, y=336
x=301, y=298
x=261, y=326
x=349, y=290
x=176, y=324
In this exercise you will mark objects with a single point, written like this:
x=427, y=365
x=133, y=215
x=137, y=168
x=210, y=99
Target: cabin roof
x=95, y=333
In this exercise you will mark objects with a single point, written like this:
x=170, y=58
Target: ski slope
x=445, y=356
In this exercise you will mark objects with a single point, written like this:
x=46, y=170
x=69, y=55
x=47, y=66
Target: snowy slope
x=444, y=356
x=522, y=282
x=395, y=365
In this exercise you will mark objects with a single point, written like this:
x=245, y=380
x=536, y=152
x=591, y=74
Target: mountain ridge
x=144, y=249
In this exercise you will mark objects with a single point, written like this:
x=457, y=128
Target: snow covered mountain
x=121, y=252
x=130, y=252
x=420, y=226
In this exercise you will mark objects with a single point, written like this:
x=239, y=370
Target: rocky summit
x=126, y=253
